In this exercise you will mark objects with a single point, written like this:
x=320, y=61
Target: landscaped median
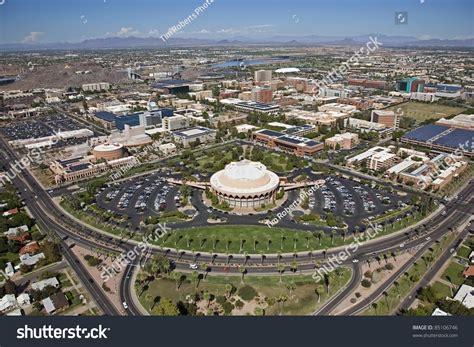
x=400, y=289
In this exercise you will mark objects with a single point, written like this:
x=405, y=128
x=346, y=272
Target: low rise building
x=48, y=282
x=465, y=295
x=337, y=107
x=189, y=136
x=342, y=141
x=175, y=123
x=93, y=87
x=297, y=145
x=252, y=106
x=461, y=121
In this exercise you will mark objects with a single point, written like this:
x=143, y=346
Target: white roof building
x=440, y=312
x=48, y=305
x=243, y=128
x=27, y=259
x=53, y=282
x=465, y=295
x=23, y=299
x=16, y=231
x=9, y=270
x=7, y=301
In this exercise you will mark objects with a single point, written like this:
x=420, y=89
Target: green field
x=422, y=111
x=249, y=239
x=464, y=252
x=453, y=274
x=441, y=290
x=303, y=299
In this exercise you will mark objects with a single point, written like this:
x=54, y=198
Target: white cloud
x=154, y=32
x=202, y=31
x=32, y=37
x=228, y=31
x=261, y=26
x=127, y=31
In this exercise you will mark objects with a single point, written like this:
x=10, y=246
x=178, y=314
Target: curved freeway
x=50, y=218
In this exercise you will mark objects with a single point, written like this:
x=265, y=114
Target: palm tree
x=280, y=269
x=269, y=242
x=278, y=258
x=207, y=296
x=262, y=256
x=255, y=242
x=282, y=238
x=204, y=268
x=385, y=294
x=228, y=289
x=290, y=286
x=397, y=287
x=295, y=240
x=177, y=277
x=188, y=240
x=214, y=242
x=319, y=290
x=327, y=282
x=374, y=306
x=333, y=233
x=242, y=241
x=339, y=274
x=243, y=271
x=319, y=235
x=282, y=298
x=195, y=278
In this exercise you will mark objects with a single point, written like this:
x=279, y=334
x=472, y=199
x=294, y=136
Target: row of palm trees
x=256, y=241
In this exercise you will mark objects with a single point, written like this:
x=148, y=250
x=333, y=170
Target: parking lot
x=43, y=126
x=349, y=201
x=140, y=198
x=352, y=201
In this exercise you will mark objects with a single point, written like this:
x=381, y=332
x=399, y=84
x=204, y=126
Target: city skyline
x=222, y=19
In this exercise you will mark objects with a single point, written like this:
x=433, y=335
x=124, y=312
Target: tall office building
x=260, y=94
x=263, y=76
x=388, y=118
x=410, y=84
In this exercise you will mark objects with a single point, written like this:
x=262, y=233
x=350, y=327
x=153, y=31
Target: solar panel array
x=454, y=138
x=457, y=138
x=425, y=132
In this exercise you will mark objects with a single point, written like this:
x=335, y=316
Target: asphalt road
x=457, y=212
x=431, y=273
x=47, y=215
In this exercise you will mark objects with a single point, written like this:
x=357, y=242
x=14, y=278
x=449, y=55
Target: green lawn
x=255, y=239
x=422, y=111
x=441, y=290
x=453, y=274
x=302, y=301
x=464, y=252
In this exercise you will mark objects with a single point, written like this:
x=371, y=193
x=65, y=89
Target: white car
x=355, y=260
x=402, y=245
x=125, y=305
x=428, y=238
x=193, y=266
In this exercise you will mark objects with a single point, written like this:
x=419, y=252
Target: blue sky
x=75, y=20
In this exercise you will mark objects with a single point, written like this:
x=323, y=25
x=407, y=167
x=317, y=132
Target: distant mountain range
x=156, y=42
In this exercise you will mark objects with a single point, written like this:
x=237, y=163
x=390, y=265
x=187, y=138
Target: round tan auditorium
x=245, y=184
